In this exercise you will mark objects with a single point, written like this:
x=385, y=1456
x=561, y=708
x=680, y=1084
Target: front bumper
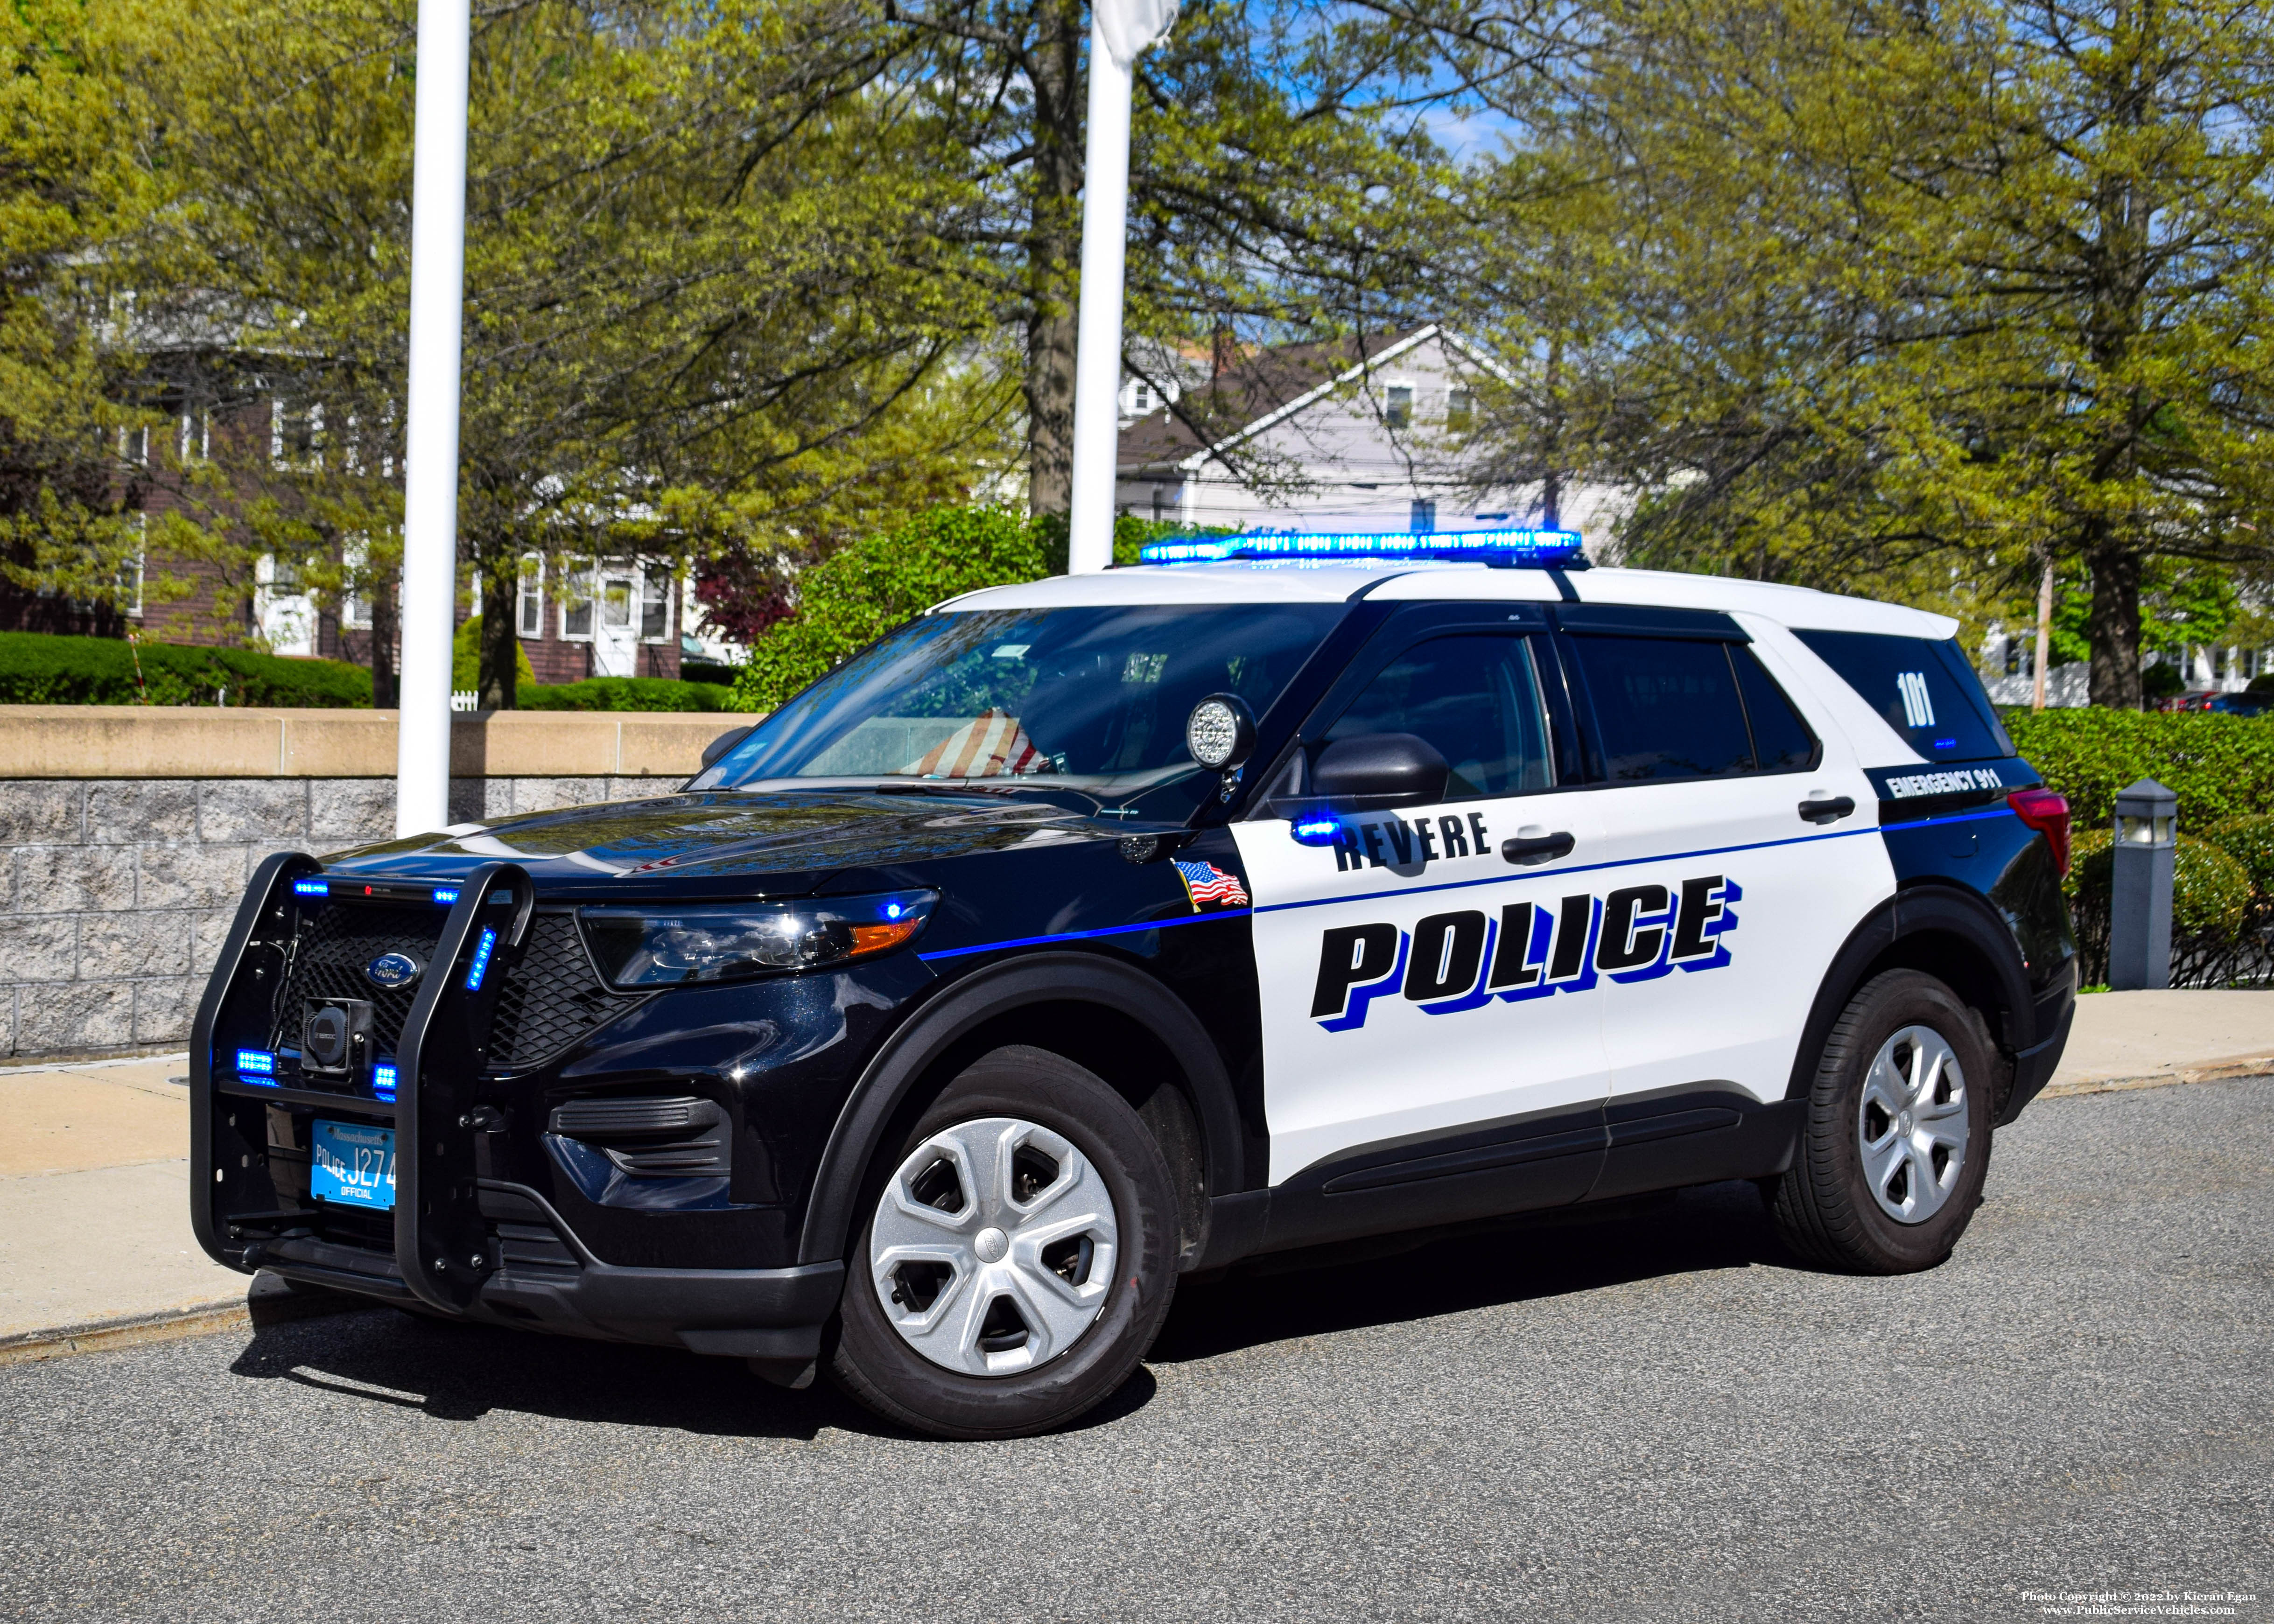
x=458, y=1241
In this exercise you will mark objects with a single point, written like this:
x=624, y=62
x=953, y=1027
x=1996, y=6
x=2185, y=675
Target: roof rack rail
x=1535, y=549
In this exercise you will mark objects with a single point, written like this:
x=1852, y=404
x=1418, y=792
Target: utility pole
x=2044, y=630
x=430, y=479
x=1118, y=30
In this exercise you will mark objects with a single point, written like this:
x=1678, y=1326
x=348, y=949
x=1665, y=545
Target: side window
x=1781, y=741
x=1476, y=699
x=1664, y=709
x=1926, y=690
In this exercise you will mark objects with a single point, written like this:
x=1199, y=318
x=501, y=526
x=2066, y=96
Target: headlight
x=726, y=940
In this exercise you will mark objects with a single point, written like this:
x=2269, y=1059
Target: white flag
x=1130, y=26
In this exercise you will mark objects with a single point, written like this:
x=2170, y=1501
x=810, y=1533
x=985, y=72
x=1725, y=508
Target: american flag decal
x=1209, y=887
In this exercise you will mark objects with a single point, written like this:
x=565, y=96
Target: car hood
x=740, y=843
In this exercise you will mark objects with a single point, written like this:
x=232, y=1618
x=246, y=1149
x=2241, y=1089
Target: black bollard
x=2140, y=900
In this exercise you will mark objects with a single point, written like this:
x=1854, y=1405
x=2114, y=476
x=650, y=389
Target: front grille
x=551, y=998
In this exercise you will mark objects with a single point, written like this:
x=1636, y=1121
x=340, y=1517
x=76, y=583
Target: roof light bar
x=1539, y=549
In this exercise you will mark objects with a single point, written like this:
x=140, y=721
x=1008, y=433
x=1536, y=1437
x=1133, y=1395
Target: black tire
x=876, y=1366
x=1824, y=1205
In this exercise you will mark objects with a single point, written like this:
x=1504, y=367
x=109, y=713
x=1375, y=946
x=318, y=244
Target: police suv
x=1078, y=935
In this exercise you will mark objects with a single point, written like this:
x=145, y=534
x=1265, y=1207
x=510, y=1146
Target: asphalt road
x=1655, y=1419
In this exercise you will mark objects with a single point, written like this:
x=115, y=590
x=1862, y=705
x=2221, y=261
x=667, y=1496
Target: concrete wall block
x=164, y=1011
x=545, y=794
x=39, y=947
x=190, y=877
x=636, y=789
x=209, y=934
x=352, y=809
x=74, y=879
x=32, y=811
x=130, y=811
x=65, y=1017
x=252, y=809
x=7, y=1021
x=470, y=800
x=137, y=943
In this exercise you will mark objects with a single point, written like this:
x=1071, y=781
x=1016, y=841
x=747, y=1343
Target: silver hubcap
x=993, y=1246
x=1911, y=1126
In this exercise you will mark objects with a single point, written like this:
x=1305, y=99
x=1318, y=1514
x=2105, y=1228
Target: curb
x=2253, y=1065
x=269, y=1300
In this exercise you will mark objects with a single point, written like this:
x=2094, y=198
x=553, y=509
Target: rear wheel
x=1019, y=1255
x=1892, y=1161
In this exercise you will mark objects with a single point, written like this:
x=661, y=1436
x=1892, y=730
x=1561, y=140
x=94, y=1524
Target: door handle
x=1539, y=849
x=1828, y=811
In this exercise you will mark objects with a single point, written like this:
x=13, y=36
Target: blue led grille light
x=1541, y=549
x=445, y=894
x=382, y=1080
x=481, y=965
x=256, y=1064
x=312, y=888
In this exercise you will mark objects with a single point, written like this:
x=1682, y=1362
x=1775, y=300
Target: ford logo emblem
x=392, y=970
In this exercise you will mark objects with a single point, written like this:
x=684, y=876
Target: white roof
x=1308, y=580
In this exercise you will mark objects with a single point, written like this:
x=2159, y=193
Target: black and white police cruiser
x=1282, y=891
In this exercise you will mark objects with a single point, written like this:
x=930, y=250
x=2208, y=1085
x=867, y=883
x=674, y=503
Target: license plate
x=353, y=1165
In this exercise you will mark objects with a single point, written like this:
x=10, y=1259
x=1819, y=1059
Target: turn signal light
x=2048, y=814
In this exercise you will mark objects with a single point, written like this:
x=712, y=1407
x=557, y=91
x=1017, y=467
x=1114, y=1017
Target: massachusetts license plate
x=353, y=1165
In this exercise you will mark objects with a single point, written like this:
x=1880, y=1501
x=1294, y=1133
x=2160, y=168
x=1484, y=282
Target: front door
x=1415, y=981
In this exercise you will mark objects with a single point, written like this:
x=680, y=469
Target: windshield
x=1090, y=699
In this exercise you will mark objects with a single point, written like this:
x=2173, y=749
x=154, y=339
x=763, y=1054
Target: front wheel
x=1018, y=1259
x=1897, y=1143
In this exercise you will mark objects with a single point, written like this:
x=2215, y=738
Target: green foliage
x=2221, y=767
x=2250, y=842
x=466, y=665
x=37, y=669
x=2211, y=890
x=626, y=694
x=863, y=590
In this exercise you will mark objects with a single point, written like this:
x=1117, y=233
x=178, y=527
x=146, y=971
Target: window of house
x=355, y=590
x=295, y=434
x=576, y=595
x=655, y=605
x=134, y=447
x=1401, y=405
x=529, y=601
x=130, y=572
x=1423, y=520
x=196, y=437
x=1476, y=699
x=616, y=594
x=1460, y=410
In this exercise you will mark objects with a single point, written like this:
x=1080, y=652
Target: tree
x=1887, y=291
x=701, y=269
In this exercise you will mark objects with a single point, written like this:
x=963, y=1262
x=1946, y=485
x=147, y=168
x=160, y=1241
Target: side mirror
x=1373, y=771
x=722, y=743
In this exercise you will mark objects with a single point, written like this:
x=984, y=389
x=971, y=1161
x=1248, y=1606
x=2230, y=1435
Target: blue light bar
x=481, y=965
x=382, y=1080
x=1540, y=549
x=445, y=894
x=256, y=1064
x=312, y=888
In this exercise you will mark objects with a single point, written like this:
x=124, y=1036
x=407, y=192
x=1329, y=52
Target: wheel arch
x=1942, y=931
x=1108, y=1017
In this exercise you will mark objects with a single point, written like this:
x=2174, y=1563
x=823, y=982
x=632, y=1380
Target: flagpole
x=1097, y=359
x=430, y=481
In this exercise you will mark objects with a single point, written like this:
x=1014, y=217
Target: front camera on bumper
x=718, y=942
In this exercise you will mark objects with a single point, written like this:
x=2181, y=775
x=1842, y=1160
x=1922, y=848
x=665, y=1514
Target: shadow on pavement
x=1511, y=1260
x=460, y=1372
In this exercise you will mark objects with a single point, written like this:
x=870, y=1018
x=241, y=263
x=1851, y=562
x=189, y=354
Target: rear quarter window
x=1926, y=690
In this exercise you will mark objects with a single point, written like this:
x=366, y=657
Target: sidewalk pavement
x=95, y=1229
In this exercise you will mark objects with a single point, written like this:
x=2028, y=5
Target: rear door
x=1414, y=980
x=1738, y=847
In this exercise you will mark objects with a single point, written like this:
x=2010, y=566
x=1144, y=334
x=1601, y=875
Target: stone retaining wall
x=116, y=887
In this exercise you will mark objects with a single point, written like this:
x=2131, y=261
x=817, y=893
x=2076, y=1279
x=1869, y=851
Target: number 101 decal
x=1464, y=960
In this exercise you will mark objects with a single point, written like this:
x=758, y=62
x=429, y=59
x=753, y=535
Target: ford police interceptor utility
x=1283, y=890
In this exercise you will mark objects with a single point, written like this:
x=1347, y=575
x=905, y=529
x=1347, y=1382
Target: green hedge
x=37, y=668
x=2211, y=890
x=624, y=694
x=2222, y=767
x=865, y=589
